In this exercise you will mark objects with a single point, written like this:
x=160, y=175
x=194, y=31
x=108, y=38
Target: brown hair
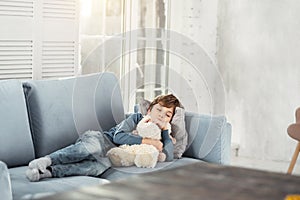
x=169, y=101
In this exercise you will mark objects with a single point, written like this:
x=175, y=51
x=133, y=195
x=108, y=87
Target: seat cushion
x=22, y=188
x=116, y=173
x=16, y=146
x=5, y=184
x=61, y=110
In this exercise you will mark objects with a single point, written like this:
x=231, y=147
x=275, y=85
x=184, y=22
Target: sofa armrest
x=209, y=138
x=5, y=185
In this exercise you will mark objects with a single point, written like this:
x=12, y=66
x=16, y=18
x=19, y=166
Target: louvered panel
x=59, y=49
x=20, y=71
x=16, y=76
x=58, y=70
x=16, y=59
x=61, y=53
x=15, y=48
x=11, y=67
x=15, y=62
x=57, y=75
x=23, y=8
x=15, y=53
x=58, y=59
x=64, y=9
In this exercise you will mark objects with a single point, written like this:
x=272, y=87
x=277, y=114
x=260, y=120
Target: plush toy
x=141, y=155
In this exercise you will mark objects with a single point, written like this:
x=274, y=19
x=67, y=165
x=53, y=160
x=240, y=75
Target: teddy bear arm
x=161, y=157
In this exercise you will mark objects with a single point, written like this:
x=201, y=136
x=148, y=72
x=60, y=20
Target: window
x=128, y=28
x=100, y=21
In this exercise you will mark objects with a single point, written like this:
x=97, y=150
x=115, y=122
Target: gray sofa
x=39, y=117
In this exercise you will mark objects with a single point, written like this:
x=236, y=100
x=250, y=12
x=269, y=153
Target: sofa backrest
x=209, y=137
x=60, y=110
x=16, y=147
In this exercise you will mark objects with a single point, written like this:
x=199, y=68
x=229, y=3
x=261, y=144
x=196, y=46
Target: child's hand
x=135, y=132
x=173, y=139
x=161, y=124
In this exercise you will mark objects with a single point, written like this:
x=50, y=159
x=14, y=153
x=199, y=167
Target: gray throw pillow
x=177, y=127
x=143, y=106
x=179, y=132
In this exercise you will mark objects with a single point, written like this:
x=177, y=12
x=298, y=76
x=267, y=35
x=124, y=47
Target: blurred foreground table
x=196, y=181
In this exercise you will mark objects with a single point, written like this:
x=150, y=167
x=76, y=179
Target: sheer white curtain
x=117, y=27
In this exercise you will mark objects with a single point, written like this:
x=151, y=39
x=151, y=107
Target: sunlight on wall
x=85, y=8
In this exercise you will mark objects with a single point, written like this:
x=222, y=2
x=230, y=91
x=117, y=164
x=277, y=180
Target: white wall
x=197, y=22
x=258, y=55
x=256, y=45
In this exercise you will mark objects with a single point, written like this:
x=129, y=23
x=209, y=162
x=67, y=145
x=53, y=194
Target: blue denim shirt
x=122, y=134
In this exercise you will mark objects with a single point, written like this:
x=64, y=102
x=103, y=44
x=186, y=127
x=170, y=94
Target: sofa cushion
x=115, y=173
x=23, y=189
x=5, y=184
x=60, y=110
x=16, y=147
x=207, y=137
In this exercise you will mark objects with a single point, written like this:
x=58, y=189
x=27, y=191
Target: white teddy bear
x=141, y=155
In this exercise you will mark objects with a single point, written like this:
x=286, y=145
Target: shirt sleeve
x=123, y=133
x=168, y=147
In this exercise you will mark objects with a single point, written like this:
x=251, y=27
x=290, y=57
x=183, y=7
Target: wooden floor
x=196, y=181
x=268, y=165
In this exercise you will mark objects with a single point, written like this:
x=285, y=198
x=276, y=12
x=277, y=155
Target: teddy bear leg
x=146, y=156
x=120, y=157
x=146, y=160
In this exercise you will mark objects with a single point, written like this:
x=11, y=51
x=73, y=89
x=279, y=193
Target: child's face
x=160, y=113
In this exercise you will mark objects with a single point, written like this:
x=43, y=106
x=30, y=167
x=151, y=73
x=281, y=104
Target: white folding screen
x=60, y=38
x=16, y=39
x=38, y=38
